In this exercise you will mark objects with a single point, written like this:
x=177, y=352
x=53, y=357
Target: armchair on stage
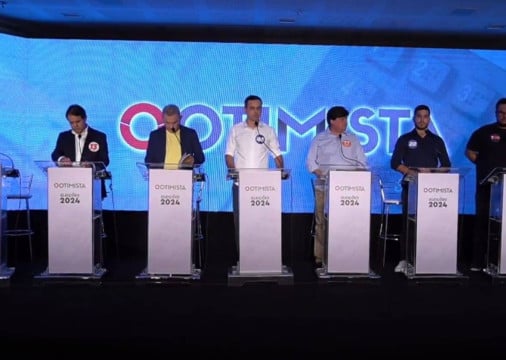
x=257, y=215
x=173, y=221
x=496, y=251
x=432, y=243
x=74, y=219
x=347, y=212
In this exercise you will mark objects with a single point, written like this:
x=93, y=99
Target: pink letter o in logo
x=126, y=120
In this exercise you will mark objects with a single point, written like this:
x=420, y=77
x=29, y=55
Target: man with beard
x=415, y=151
x=486, y=149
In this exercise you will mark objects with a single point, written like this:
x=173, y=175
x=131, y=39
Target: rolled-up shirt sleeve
x=311, y=164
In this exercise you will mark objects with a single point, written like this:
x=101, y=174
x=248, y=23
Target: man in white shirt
x=251, y=142
x=249, y=145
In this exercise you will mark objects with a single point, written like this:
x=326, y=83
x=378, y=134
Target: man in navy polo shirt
x=414, y=151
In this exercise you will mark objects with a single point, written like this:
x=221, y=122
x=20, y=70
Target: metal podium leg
x=198, y=236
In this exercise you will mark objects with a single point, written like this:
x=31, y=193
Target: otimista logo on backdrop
x=378, y=129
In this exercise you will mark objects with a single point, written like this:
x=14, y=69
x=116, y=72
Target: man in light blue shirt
x=331, y=149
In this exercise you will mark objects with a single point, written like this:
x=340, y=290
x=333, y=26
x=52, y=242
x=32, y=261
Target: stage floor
x=390, y=315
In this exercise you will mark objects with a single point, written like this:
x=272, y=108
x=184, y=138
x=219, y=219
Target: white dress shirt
x=245, y=145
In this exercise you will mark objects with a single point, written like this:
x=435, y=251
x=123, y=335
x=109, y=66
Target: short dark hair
x=171, y=109
x=421, y=107
x=76, y=110
x=251, y=98
x=501, y=101
x=336, y=112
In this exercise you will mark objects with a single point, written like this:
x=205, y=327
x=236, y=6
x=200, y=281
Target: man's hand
x=188, y=160
x=64, y=161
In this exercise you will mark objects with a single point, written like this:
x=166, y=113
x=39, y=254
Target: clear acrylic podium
x=74, y=206
x=173, y=221
x=5, y=271
x=259, y=227
x=432, y=242
x=347, y=213
x=496, y=252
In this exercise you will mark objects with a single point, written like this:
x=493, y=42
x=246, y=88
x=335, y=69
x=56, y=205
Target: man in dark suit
x=81, y=143
x=174, y=143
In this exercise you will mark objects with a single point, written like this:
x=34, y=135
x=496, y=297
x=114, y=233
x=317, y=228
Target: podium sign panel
x=437, y=201
x=502, y=266
x=496, y=251
x=348, y=210
x=170, y=221
x=259, y=221
x=70, y=220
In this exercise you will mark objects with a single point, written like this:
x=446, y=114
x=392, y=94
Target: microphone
x=345, y=157
x=260, y=139
x=182, y=162
x=173, y=129
x=79, y=136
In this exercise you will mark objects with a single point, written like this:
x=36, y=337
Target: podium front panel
x=437, y=223
x=349, y=219
x=497, y=235
x=502, y=264
x=259, y=221
x=70, y=220
x=170, y=221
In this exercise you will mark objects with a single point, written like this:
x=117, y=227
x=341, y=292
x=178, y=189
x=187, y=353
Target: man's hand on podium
x=411, y=174
x=285, y=174
x=64, y=161
x=187, y=159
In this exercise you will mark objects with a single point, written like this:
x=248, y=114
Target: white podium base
x=144, y=275
x=97, y=274
x=411, y=274
x=325, y=276
x=235, y=278
x=6, y=272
